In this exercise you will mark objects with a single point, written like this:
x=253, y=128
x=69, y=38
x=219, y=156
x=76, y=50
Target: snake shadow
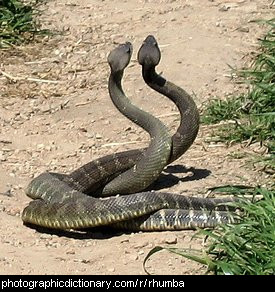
x=169, y=179
x=103, y=232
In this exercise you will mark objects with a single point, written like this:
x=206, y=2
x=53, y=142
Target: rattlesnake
x=61, y=201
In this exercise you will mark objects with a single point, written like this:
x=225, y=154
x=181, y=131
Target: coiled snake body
x=64, y=201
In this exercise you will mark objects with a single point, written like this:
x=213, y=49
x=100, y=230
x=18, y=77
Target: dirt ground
x=56, y=115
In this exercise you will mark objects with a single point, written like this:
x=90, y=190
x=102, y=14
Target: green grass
x=246, y=248
x=254, y=112
x=18, y=23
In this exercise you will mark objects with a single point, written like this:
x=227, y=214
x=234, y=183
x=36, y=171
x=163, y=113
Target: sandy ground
x=68, y=120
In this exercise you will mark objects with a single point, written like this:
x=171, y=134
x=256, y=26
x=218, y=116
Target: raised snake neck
x=92, y=175
x=155, y=158
x=189, y=124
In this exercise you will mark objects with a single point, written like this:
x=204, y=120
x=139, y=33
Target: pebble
x=61, y=259
x=85, y=261
x=2, y=156
x=224, y=8
x=141, y=244
x=243, y=29
x=45, y=236
x=124, y=240
x=133, y=257
x=6, y=149
x=13, y=211
x=169, y=239
x=40, y=146
x=45, y=108
x=7, y=193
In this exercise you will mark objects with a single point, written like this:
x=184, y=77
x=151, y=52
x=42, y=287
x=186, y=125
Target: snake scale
x=66, y=201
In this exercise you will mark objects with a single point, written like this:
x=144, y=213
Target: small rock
x=2, y=156
x=17, y=151
x=82, y=129
x=141, y=244
x=224, y=8
x=61, y=259
x=243, y=29
x=6, y=149
x=45, y=236
x=13, y=211
x=85, y=261
x=45, y=108
x=124, y=240
x=40, y=146
x=7, y=193
x=170, y=239
x=133, y=257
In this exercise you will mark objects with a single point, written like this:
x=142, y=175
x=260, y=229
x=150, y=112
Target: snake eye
x=129, y=47
x=155, y=43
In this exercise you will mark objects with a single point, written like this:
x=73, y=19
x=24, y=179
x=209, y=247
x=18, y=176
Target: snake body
x=89, y=177
x=149, y=57
x=66, y=208
x=61, y=201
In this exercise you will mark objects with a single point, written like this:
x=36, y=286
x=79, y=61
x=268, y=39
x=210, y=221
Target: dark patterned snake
x=61, y=201
x=96, y=173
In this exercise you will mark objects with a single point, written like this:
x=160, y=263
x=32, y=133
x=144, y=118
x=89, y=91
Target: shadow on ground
x=169, y=179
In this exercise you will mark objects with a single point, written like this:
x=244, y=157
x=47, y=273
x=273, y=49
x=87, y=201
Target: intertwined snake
x=66, y=201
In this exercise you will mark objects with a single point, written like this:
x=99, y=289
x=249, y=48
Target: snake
x=92, y=175
x=61, y=202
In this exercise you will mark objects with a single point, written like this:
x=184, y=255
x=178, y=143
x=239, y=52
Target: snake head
x=119, y=57
x=149, y=52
